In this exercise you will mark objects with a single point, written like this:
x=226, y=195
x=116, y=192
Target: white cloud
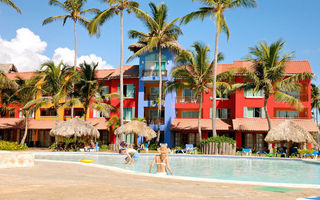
x=26, y=52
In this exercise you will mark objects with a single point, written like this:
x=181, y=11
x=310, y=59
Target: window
x=190, y=114
x=99, y=114
x=128, y=113
x=223, y=96
x=152, y=63
x=47, y=112
x=187, y=93
x=287, y=114
x=129, y=90
x=253, y=112
x=21, y=114
x=295, y=94
x=250, y=94
x=154, y=91
x=105, y=90
x=221, y=113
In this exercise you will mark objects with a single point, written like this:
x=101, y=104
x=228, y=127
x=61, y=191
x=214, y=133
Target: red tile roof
x=292, y=67
x=129, y=71
x=45, y=124
x=259, y=124
x=206, y=124
x=23, y=75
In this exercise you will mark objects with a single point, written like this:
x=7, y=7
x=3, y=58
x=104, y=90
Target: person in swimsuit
x=132, y=155
x=162, y=162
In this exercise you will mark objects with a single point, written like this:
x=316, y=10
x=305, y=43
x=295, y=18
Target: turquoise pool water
x=238, y=169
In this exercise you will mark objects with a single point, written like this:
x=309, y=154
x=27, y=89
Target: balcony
x=187, y=99
x=152, y=97
x=153, y=73
x=154, y=121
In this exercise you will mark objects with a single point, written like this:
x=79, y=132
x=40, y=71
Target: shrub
x=153, y=147
x=219, y=140
x=12, y=146
x=104, y=147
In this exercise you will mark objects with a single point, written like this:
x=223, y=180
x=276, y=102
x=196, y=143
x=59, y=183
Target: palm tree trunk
x=25, y=130
x=57, y=117
x=199, y=117
x=75, y=61
x=85, y=113
x=266, y=112
x=214, y=80
x=121, y=68
x=160, y=95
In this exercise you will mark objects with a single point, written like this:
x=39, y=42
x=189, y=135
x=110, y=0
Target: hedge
x=12, y=146
x=219, y=140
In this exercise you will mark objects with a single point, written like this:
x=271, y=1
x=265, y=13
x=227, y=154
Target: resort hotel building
x=240, y=115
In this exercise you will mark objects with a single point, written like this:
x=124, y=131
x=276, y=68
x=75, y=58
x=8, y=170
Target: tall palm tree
x=11, y=4
x=116, y=7
x=89, y=91
x=75, y=10
x=194, y=73
x=28, y=89
x=6, y=83
x=161, y=34
x=268, y=75
x=56, y=83
x=315, y=101
x=215, y=9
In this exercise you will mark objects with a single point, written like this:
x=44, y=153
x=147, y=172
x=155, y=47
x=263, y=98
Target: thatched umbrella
x=289, y=131
x=138, y=128
x=74, y=127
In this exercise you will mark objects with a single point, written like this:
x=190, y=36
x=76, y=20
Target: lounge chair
x=189, y=148
x=314, y=154
x=281, y=151
x=246, y=151
x=261, y=153
x=293, y=151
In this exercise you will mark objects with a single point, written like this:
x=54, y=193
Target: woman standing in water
x=162, y=162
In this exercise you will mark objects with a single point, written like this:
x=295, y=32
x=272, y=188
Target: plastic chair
x=313, y=154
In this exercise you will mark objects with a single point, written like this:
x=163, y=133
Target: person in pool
x=132, y=155
x=162, y=162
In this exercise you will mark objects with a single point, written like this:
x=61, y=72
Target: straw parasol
x=138, y=128
x=74, y=127
x=289, y=131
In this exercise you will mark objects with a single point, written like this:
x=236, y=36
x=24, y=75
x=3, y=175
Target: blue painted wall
x=170, y=112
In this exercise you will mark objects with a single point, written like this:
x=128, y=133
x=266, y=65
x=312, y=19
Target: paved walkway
x=56, y=181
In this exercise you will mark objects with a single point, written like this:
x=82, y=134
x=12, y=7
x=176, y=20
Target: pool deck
x=51, y=181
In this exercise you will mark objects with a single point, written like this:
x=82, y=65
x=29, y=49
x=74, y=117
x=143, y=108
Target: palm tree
x=215, y=9
x=75, y=10
x=89, y=91
x=194, y=73
x=10, y=3
x=116, y=7
x=161, y=34
x=315, y=101
x=268, y=75
x=6, y=83
x=56, y=83
x=28, y=89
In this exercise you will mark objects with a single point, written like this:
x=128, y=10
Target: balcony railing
x=154, y=121
x=187, y=100
x=153, y=73
x=152, y=97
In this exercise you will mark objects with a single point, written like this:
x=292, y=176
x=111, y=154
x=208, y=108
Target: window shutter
x=119, y=89
x=211, y=113
x=133, y=112
x=134, y=90
x=245, y=93
x=245, y=112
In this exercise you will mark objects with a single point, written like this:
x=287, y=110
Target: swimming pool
x=212, y=167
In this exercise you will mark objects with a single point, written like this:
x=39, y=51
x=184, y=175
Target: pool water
x=233, y=168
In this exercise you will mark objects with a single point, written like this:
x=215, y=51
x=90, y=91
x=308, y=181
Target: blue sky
x=295, y=21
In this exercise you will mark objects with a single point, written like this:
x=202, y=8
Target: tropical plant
x=268, y=75
x=194, y=73
x=6, y=83
x=89, y=91
x=161, y=34
x=56, y=83
x=11, y=4
x=215, y=9
x=116, y=7
x=113, y=123
x=140, y=119
x=315, y=101
x=12, y=146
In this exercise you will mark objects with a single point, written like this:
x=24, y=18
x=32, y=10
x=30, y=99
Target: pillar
x=239, y=139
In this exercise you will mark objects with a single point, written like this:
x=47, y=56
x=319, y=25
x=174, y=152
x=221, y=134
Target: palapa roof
x=206, y=124
x=8, y=68
x=138, y=128
x=74, y=127
x=289, y=131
